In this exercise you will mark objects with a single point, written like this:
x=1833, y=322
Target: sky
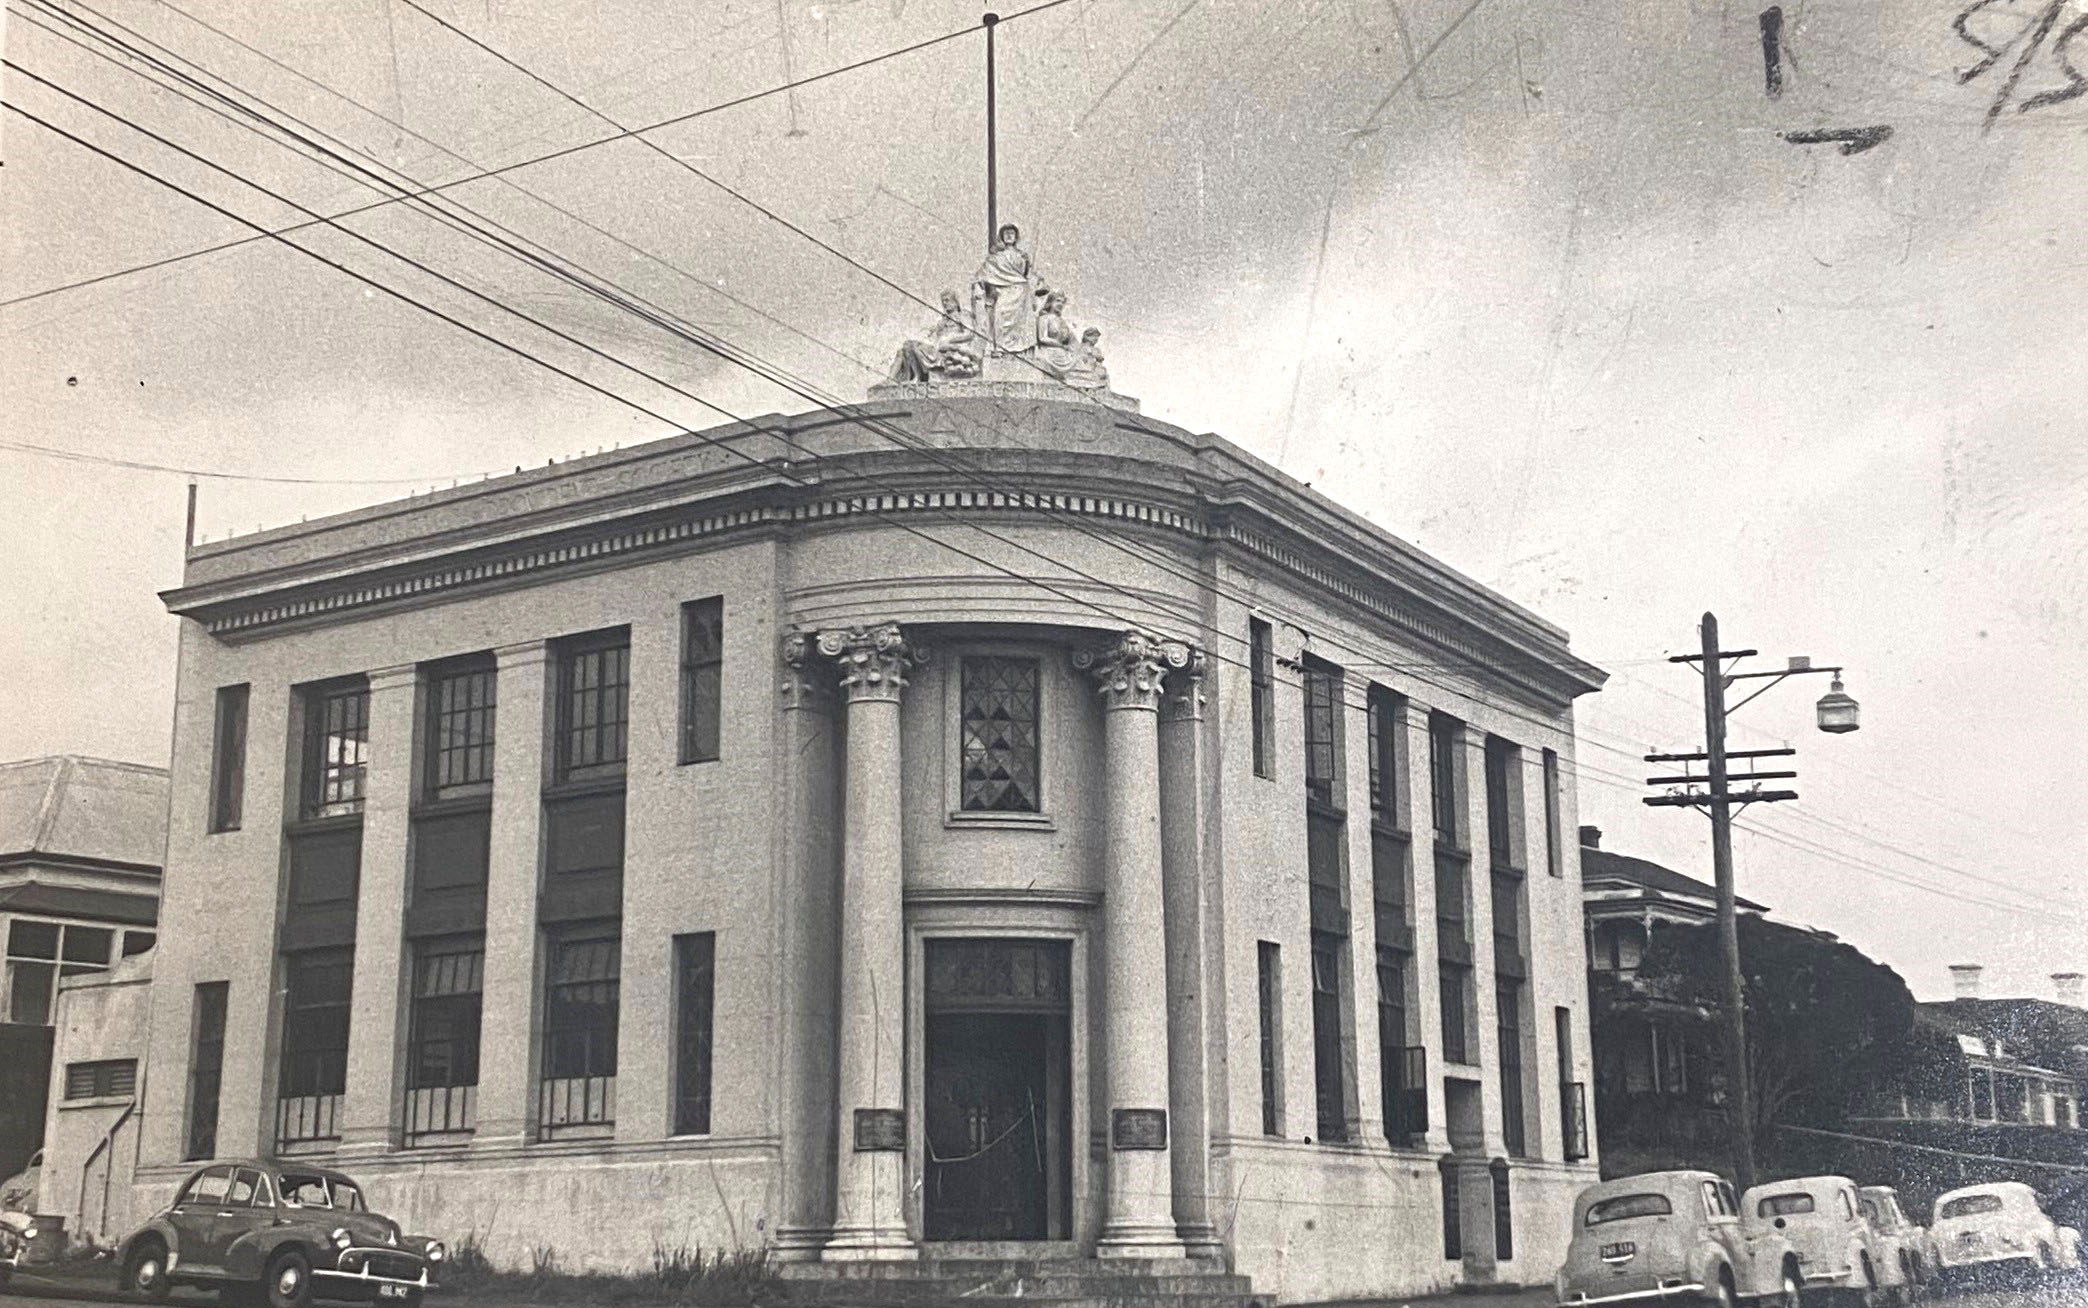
x=1542, y=286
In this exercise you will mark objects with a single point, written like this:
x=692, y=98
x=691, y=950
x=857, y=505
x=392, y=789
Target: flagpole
x=992, y=195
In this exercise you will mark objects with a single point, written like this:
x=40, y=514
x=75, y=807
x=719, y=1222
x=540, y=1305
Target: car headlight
x=341, y=1238
x=29, y=1233
x=436, y=1253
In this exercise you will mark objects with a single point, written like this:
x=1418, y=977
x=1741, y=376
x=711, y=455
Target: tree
x=1828, y=1029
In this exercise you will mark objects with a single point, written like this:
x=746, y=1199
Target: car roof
x=1809, y=1184
x=1646, y=1182
x=275, y=1167
x=2015, y=1188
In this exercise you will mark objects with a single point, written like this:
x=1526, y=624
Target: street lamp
x=1836, y=714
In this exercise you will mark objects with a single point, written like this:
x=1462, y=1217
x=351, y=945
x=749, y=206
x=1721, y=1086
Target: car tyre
x=1722, y=1293
x=145, y=1272
x=1790, y=1291
x=288, y=1281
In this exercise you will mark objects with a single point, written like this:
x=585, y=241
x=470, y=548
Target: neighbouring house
x=2026, y=1058
x=1658, y=1060
x=97, y=1090
x=984, y=821
x=82, y=841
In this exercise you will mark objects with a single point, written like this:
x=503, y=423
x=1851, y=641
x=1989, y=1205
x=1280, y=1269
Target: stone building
x=982, y=822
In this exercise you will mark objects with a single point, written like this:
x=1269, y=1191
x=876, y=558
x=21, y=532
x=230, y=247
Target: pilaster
x=507, y=1100
x=1428, y=976
x=1183, y=747
x=377, y=997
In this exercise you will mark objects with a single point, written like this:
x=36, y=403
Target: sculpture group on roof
x=1012, y=315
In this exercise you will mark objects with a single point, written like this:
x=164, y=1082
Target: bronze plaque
x=879, y=1130
x=1138, y=1128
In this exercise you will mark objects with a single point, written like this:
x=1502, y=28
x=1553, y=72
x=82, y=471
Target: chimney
x=1965, y=977
x=1591, y=837
x=2068, y=987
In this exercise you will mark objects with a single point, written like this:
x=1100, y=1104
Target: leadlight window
x=1262, y=693
x=1000, y=735
x=206, y=1068
x=228, y=759
x=582, y=991
x=442, y=1054
x=314, y=1076
x=460, y=730
x=702, y=678
x=594, y=688
x=337, y=745
x=695, y=960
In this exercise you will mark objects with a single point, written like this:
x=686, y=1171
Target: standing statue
x=1055, y=351
x=1005, y=292
x=950, y=350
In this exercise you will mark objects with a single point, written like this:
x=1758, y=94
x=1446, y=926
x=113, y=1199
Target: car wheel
x=1722, y=1293
x=145, y=1272
x=1791, y=1290
x=288, y=1282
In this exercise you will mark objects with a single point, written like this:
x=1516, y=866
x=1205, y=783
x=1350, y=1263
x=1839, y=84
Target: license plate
x=392, y=1292
x=1619, y=1252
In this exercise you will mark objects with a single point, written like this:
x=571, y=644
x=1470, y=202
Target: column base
x=1140, y=1240
x=869, y=1244
x=1200, y=1240
x=800, y=1244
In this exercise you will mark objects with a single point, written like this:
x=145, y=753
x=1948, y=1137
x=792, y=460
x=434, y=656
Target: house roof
x=1598, y=865
x=2009, y=1020
x=83, y=809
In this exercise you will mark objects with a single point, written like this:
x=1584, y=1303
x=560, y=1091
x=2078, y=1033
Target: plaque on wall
x=1138, y=1128
x=879, y=1130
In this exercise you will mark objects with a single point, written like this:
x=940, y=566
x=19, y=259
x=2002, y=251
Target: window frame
x=228, y=747
x=1261, y=694
x=435, y=715
x=106, y=1079
x=57, y=967
x=298, y=1016
x=576, y=935
x=203, y=1039
x=707, y=665
x=1049, y=687
x=567, y=653
x=1269, y=1015
x=693, y=1112
x=458, y=1096
x=319, y=773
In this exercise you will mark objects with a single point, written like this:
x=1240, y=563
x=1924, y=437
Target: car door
x=193, y=1216
x=238, y=1216
x=1722, y=1226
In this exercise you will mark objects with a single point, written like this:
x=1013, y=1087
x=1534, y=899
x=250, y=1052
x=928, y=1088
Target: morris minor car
x=1838, y=1251
x=1901, y=1240
x=276, y=1235
x=1673, y=1237
x=1999, y=1227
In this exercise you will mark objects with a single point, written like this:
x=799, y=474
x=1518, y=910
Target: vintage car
x=17, y=1229
x=276, y=1234
x=1999, y=1227
x=1901, y=1240
x=1838, y=1251
x=1673, y=1237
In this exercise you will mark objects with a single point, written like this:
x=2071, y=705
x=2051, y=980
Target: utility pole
x=989, y=21
x=1836, y=713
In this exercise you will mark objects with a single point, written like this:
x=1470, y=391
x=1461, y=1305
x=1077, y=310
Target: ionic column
x=1139, y=1221
x=370, y=1109
x=1182, y=820
x=870, y=1181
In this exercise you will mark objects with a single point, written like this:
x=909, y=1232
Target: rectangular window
x=582, y=988
x=1402, y=1068
x=1386, y=714
x=337, y=746
x=1329, y=1093
x=1453, y=1217
x=1554, y=852
x=442, y=1042
x=1573, y=1095
x=1508, y=1002
x=1269, y=981
x=999, y=751
x=1503, y=1218
x=228, y=759
x=460, y=731
x=314, y=1075
x=206, y=1068
x=39, y=954
x=1326, y=843
x=1323, y=682
x=594, y=707
x=108, y=1079
x=1262, y=693
x=1504, y=824
x=695, y=960
x=1445, y=743
x=1453, y=980
x=702, y=678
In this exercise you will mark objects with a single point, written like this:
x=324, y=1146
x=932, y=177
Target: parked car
x=279, y=1235
x=1673, y=1237
x=1837, y=1249
x=1999, y=1226
x=1903, y=1241
x=17, y=1229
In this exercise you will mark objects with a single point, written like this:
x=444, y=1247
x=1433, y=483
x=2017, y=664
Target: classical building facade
x=982, y=821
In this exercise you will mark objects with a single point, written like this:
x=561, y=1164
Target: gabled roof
x=83, y=810
x=1599, y=865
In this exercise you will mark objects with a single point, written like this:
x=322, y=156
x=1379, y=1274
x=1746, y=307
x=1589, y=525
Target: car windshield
x=1628, y=1205
x=1784, y=1205
x=1970, y=1205
x=1873, y=1211
x=311, y=1190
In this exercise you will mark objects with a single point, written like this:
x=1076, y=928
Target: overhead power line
x=504, y=169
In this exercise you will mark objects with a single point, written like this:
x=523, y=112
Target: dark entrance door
x=997, y=1091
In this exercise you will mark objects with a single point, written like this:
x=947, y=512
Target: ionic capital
x=1185, y=698
x=802, y=684
x=1130, y=672
x=873, y=661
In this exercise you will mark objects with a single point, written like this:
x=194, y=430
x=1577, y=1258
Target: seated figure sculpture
x=950, y=350
x=1087, y=371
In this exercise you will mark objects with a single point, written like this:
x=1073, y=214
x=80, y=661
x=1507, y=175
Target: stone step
x=911, y=1269
x=1136, y=1298
x=1029, y=1288
x=1019, y=1283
